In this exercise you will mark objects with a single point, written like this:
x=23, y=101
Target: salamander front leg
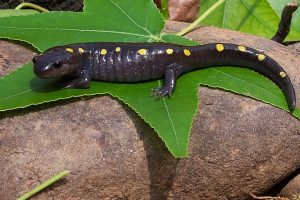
x=169, y=82
x=83, y=81
x=77, y=83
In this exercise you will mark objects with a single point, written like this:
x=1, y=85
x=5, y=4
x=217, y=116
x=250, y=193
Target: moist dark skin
x=136, y=62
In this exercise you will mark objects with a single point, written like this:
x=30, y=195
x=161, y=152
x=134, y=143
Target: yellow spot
x=186, y=52
x=69, y=50
x=103, y=51
x=220, y=47
x=261, y=57
x=142, y=52
x=81, y=50
x=282, y=74
x=242, y=48
x=118, y=49
x=169, y=51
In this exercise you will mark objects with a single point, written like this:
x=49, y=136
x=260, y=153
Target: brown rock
x=238, y=145
x=158, y=3
x=296, y=47
x=292, y=188
x=184, y=10
x=8, y=60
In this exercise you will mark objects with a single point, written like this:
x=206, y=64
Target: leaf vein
x=225, y=12
x=71, y=29
x=123, y=11
x=250, y=84
x=172, y=124
x=258, y=18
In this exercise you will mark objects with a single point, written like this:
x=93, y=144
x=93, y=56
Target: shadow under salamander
x=161, y=164
x=45, y=85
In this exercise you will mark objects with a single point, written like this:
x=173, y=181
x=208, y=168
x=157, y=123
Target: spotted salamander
x=135, y=62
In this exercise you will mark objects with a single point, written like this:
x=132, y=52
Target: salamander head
x=56, y=62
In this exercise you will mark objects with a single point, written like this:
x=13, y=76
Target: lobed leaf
x=250, y=16
x=50, y=29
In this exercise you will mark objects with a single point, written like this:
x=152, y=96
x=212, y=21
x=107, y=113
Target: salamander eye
x=34, y=59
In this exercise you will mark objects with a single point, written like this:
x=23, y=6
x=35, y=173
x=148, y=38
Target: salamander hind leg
x=169, y=82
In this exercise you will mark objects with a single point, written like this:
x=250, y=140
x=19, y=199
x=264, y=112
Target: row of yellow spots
x=81, y=50
x=260, y=56
x=140, y=51
x=219, y=47
x=168, y=51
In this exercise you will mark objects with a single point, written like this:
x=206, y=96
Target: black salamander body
x=135, y=62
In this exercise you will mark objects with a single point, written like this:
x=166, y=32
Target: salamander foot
x=160, y=92
x=76, y=83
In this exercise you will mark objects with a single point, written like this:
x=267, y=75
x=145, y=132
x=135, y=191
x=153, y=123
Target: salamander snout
x=47, y=67
x=47, y=71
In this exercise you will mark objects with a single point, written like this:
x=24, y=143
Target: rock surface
x=183, y=10
x=238, y=145
x=292, y=188
x=8, y=59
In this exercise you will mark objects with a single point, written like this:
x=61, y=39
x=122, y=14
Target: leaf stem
x=201, y=18
x=44, y=185
x=31, y=5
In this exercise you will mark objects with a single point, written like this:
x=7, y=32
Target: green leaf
x=250, y=16
x=170, y=38
x=165, y=9
x=170, y=117
x=12, y=12
x=71, y=27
